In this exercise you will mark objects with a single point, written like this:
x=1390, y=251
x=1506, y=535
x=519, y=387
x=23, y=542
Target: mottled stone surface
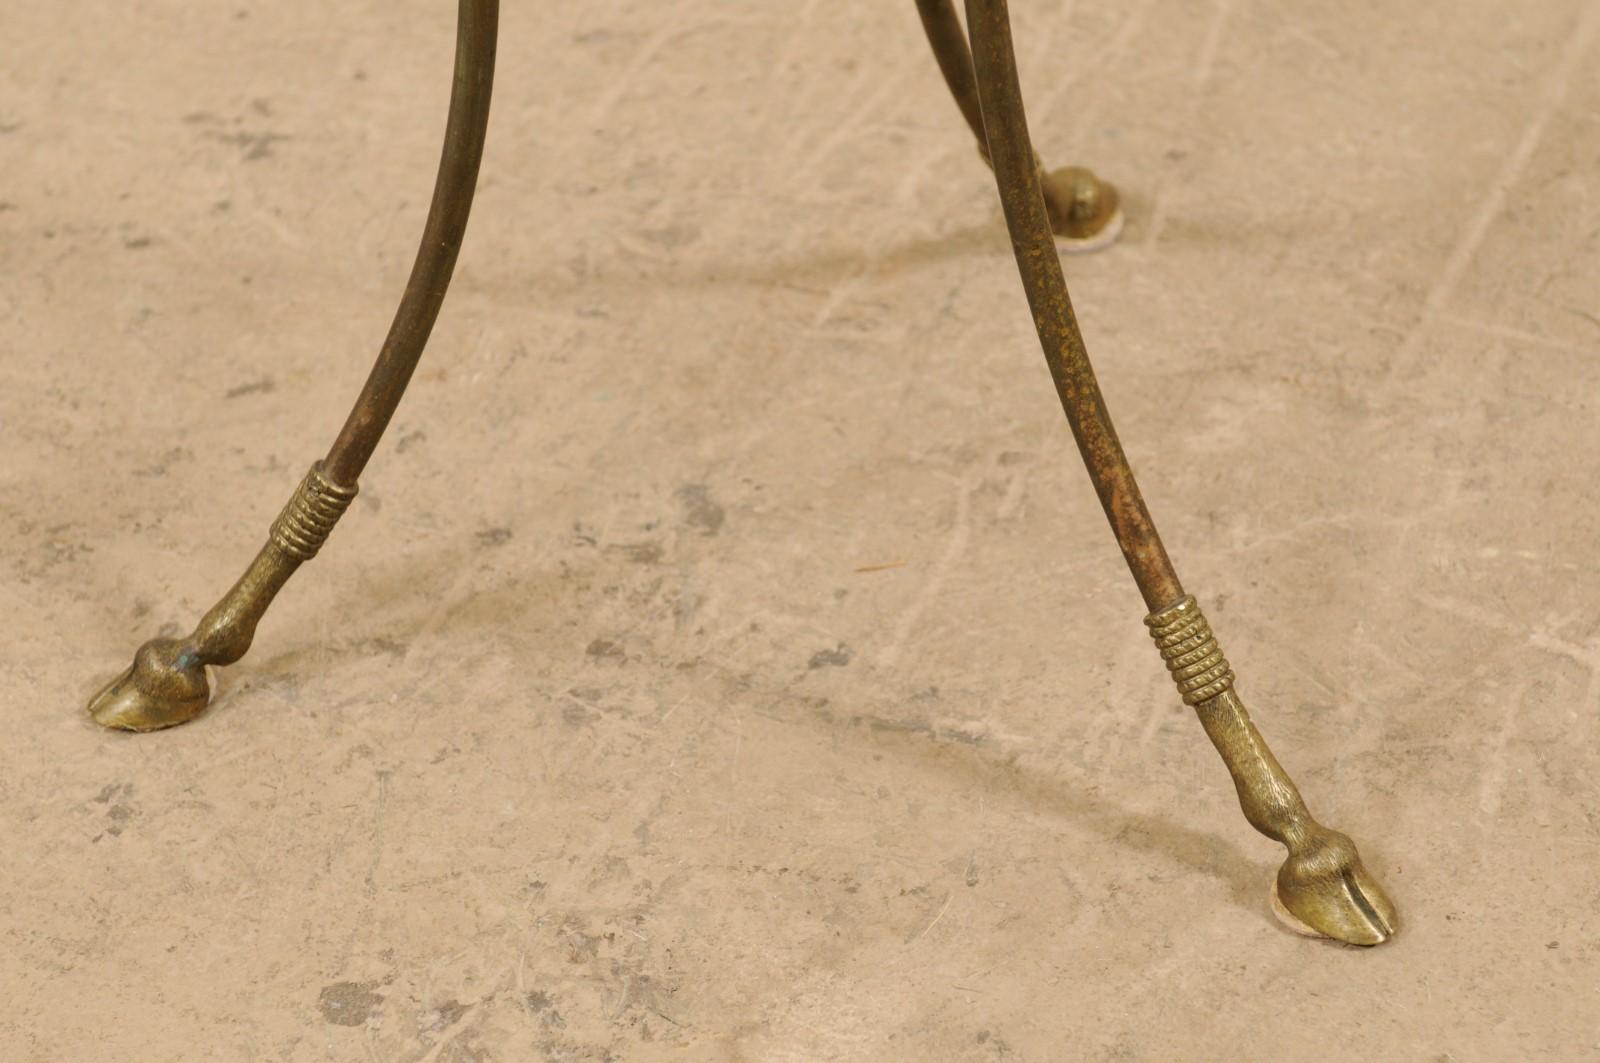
x=726, y=658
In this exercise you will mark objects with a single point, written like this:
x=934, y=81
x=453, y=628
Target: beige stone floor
x=726, y=658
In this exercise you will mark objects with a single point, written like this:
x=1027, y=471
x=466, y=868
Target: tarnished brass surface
x=1083, y=209
x=1033, y=242
x=1323, y=883
x=166, y=685
x=477, y=34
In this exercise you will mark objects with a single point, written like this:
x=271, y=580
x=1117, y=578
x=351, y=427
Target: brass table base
x=1322, y=888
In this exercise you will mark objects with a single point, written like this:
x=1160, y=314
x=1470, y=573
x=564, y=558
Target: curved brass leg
x=1084, y=210
x=1322, y=884
x=166, y=683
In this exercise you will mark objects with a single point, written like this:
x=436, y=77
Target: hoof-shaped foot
x=165, y=686
x=1085, y=212
x=1323, y=890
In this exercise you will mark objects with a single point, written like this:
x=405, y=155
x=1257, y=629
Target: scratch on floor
x=873, y=104
x=945, y=908
x=468, y=1018
x=960, y=533
x=1552, y=96
x=1516, y=335
x=1106, y=56
x=1492, y=788
x=1588, y=657
x=1205, y=64
x=618, y=85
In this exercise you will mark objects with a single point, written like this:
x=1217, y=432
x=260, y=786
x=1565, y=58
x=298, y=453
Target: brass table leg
x=1322, y=886
x=1084, y=211
x=167, y=684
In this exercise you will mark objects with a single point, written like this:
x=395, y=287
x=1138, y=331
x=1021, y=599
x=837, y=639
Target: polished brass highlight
x=310, y=515
x=1084, y=211
x=1191, y=651
x=1322, y=884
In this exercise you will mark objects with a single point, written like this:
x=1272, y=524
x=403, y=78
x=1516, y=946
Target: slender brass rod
x=167, y=682
x=949, y=43
x=1011, y=154
x=1322, y=886
x=1083, y=210
x=476, y=33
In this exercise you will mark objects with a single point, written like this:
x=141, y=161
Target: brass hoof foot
x=1085, y=212
x=165, y=686
x=1322, y=890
